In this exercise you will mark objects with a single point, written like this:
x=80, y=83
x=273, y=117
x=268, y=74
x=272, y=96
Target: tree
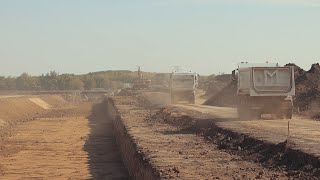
x=76, y=84
x=11, y=83
x=49, y=81
x=89, y=82
x=3, y=84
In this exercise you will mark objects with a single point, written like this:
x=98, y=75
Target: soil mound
x=307, y=88
x=14, y=110
x=227, y=97
x=216, y=83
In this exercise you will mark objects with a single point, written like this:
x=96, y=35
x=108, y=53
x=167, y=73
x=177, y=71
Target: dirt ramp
x=15, y=110
x=54, y=101
x=40, y=103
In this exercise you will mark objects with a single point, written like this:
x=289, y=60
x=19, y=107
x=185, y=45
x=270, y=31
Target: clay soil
x=69, y=142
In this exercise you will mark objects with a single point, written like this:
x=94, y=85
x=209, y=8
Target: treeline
x=53, y=81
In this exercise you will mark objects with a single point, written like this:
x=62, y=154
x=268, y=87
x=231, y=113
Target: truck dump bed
x=266, y=81
x=272, y=79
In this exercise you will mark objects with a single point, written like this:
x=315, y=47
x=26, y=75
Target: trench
x=113, y=154
x=104, y=156
x=137, y=166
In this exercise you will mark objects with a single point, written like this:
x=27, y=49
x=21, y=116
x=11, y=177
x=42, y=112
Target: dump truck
x=264, y=88
x=183, y=86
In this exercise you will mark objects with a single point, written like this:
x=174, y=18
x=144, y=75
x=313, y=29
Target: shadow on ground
x=104, y=158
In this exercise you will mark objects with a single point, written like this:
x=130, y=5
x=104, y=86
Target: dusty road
x=67, y=143
x=303, y=132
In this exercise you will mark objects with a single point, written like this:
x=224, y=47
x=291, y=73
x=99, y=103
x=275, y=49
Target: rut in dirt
x=104, y=157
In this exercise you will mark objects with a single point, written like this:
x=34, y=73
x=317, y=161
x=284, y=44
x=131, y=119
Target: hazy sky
x=207, y=36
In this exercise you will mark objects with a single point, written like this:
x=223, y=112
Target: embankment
x=15, y=110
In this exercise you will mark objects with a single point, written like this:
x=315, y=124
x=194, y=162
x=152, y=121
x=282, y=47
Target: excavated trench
x=278, y=157
x=137, y=165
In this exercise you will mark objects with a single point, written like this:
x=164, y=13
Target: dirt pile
x=216, y=83
x=14, y=110
x=307, y=88
x=226, y=97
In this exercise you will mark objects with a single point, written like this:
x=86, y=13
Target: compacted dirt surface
x=70, y=142
x=204, y=142
x=302, y=132
x=175, y=153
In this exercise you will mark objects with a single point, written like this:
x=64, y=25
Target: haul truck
x=183, y=86
x=264, y=89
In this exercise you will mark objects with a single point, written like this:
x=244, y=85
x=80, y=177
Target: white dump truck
x=183, y=86
x=264, y=89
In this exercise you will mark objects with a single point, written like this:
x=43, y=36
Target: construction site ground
x=142, y=136
x=67, y=141
x=176, y=148
x=303, y=133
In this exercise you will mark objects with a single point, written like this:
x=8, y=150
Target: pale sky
x=206, y=36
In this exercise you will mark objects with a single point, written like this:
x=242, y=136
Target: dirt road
x=303, y=132
x=65, y=143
